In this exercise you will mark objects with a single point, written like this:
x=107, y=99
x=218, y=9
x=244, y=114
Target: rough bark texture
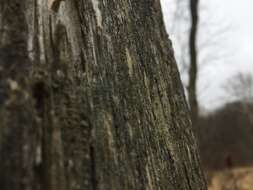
x=193, y=71
x=90, y=98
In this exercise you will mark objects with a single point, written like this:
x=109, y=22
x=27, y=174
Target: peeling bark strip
x=54, y=5
x=101, y=107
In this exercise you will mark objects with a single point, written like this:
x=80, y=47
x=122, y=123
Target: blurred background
x=213, y=42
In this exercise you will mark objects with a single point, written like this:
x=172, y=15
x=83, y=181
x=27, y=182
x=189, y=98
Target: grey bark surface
x=91, y=98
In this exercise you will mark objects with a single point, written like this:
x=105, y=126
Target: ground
x=232, y=179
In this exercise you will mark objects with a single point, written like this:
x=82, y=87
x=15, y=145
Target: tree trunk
x=90, y=98
x=193, y=71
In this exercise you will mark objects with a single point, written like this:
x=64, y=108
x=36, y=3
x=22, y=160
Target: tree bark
x=193, y=70
x=91, y=98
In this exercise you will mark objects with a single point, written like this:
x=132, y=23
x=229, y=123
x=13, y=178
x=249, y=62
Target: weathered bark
x=99, y=103
x=193, y=70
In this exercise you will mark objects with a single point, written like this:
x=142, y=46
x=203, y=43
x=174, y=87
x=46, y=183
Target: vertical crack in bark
x=93, y=168
x=40, y=94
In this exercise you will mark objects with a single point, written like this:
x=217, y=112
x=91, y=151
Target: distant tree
x=227, y=137
x=193, y=68
x=197, y=36
x=240, y=87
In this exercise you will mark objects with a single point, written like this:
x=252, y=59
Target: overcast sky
x=237, y=44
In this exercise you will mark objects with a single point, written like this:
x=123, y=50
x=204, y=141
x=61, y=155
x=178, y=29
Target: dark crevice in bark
x=40, y=94
x=93, y=168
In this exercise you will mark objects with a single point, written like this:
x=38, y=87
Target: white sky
x=237, y=44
